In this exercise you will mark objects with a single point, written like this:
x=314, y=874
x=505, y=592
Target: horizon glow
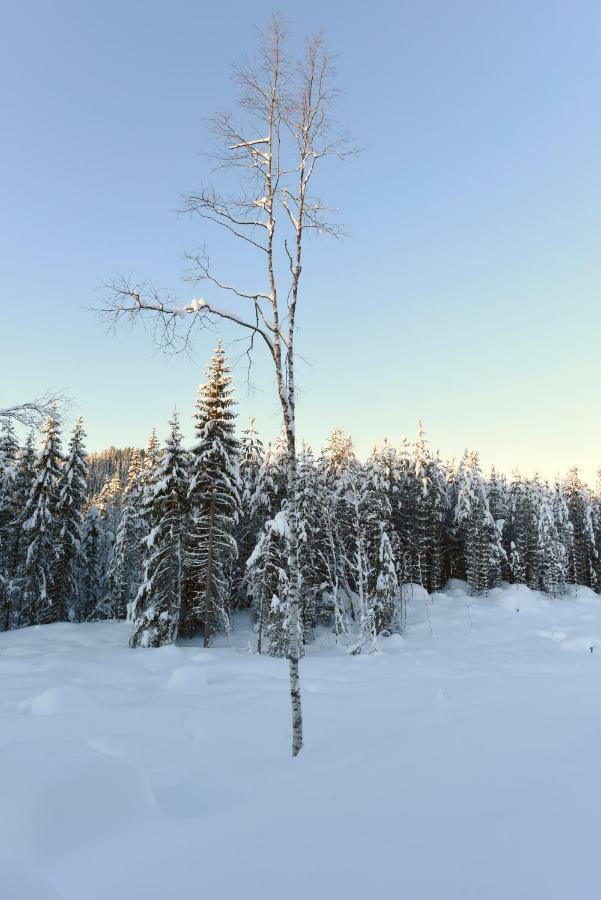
x=467, y=294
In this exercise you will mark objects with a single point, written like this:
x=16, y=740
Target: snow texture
x=460, y=762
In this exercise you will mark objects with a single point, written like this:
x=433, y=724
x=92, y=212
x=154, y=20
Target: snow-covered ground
x=463, y=763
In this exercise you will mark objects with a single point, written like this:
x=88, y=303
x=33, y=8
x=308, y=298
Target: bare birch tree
x=273, y=149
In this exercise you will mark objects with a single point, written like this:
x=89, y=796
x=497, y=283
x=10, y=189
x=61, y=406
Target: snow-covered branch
x=31, y=414
x=126, y=302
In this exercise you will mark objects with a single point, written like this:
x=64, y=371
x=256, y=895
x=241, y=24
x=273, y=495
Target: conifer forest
x=176, y=539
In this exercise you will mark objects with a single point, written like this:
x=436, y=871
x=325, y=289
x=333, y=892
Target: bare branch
x=124, y=302
x=33, y=412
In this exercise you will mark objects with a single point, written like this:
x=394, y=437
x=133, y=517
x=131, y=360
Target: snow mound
x=204, y=657
x=517, y=598
x=132, y=748
x=187, y=678
x=16, y=667
x=582, y=644
x=159, y=658
x=62, y=700
x=61, y=794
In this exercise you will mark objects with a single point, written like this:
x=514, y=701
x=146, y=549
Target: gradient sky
x=467, y=292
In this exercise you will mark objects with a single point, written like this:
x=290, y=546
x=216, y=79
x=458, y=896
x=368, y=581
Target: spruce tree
x=596, y=523
x=551, y=553
x=214, y=502
x=269, y=580
x=150, y=462
x=376, y=515
x=355, y=502
x=516, y=533
x=9, y=454
x=270, y=487
x=481, y=539
x=125, y=567
x=386, y=588
x=94, y=601
x=338, y=467
x=252, y=508
x=72, y=500
x=583, y=554
x=15, y=537
x=426, y=504
x=9, y=451
x=312, y=540
x=335, y=608
x=40, y=604
x=385, y=460
x=158, y=603
x=498, y=503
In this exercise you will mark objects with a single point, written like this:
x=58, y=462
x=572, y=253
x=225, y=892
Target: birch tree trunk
x=294, y=595
x=287, y=130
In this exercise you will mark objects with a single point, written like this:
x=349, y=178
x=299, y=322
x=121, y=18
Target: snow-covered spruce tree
x=481, y=540
x=403, y=511
x=108, y=500
x=214, y=502
x=385, y=461
x=93, y=598
x=551, y=553
x=312, y=541
x=376, y=511
x=518, y=528
x=71, y=503
x=441, y=516
x=40, y=604
x=9, y=451
x=15, y=538
x=337, y=462
x=9, y=455
x=269, y=580
x=453, y=549
x=251, y=517
x=583, y=555
x=157, y=606
x=561, y=518
x=150, y=462
x=386, y=592
x=271, y=485
x=536, y=497
x=335, y=608
x=427, y=502
x=355, y=500
x=596, y=522
x=498, y=503
x=125, y=567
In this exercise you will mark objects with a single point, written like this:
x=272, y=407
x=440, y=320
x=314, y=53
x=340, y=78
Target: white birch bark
x=288, y=105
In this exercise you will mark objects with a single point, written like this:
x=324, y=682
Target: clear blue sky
x=468, y=291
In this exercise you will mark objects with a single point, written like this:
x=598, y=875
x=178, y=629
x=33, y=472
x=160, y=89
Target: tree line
x=177, y=539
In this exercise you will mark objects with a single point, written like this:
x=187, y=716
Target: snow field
x=460, y=762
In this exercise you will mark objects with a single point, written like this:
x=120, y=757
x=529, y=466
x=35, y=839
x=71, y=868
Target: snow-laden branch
x=31, y=414
x=126, y=302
